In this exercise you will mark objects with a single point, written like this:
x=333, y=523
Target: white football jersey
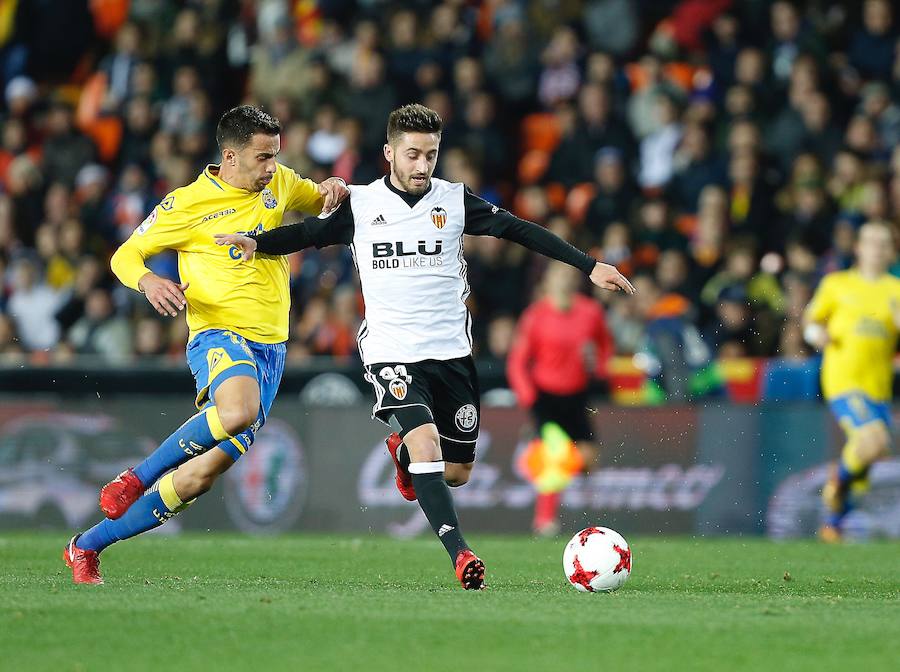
x=412, y=273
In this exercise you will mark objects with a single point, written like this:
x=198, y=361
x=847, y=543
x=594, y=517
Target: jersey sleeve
x=165, y=228
x=302, y=194
x=823, y=302
x=486, y=219
x=334, y=229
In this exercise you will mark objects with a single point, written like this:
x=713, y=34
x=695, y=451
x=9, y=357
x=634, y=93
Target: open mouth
x=418, y=180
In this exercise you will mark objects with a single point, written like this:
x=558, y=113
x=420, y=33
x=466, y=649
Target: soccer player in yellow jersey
x=238, y=318
x=854, y=319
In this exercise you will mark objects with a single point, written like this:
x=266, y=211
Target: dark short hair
x=413, y=118
x=240, y=123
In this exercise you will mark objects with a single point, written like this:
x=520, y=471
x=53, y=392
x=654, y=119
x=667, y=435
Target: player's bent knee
x=236, y=417
x=423, y=443
x=237, y=403
x=872, y=443
x=456, y=474
x=881, y=446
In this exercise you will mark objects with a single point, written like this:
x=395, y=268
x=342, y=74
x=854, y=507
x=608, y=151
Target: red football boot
x=120, y=493
x=403, y=480
x=85, y=564
x=470, y=570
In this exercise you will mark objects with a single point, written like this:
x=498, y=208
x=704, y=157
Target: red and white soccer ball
x=597, y=560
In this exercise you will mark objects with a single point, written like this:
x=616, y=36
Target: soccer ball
x=597, y=560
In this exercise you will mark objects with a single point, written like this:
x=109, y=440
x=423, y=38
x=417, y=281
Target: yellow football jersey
x=250, y=298
x=861, y=330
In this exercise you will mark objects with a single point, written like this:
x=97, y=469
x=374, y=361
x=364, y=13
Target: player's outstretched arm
x=485, y=219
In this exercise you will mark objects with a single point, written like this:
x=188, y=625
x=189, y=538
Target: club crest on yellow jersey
x=269, y=199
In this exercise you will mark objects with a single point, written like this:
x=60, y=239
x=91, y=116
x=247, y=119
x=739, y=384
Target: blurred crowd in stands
x=721, y=153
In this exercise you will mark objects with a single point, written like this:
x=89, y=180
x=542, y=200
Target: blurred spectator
x=66, y=150
x=512, y=64
x=872, y=46
x=149, y=338
x=140, y=125
x=658, y=147
x=100, y=331
x=751, y=211
x=697, y=166
x=885, y=115
x=599, y=15
x=615, y=194
x=790, y=38
x=371, y=99
x=820, y=136
x=32, y=306
x=405, y=55
x=732, y=331
x=278, y=66
x=560, y=77
x=88, y=275
x=596, y=127
x=672, y=355
x=119, y=67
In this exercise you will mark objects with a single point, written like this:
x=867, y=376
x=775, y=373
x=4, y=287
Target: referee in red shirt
x=562, y=343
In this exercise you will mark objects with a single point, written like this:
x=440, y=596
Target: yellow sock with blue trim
x=150, y=511
x=194, y=437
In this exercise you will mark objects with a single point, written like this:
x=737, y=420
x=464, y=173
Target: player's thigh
x=457, y=408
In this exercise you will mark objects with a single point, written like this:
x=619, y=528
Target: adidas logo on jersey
x=444, y=529
x=379, y=221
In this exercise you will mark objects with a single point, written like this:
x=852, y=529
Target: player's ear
x=388, y=153
x=228, y=157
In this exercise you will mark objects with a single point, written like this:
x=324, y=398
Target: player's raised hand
x=334, y=190
x=608, y=277
x=247, y=244
x=163, y=294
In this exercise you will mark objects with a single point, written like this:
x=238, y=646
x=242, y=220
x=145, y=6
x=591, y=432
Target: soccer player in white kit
x=406, y=234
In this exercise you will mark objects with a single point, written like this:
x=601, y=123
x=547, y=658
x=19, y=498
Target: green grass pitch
x=227, y=602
